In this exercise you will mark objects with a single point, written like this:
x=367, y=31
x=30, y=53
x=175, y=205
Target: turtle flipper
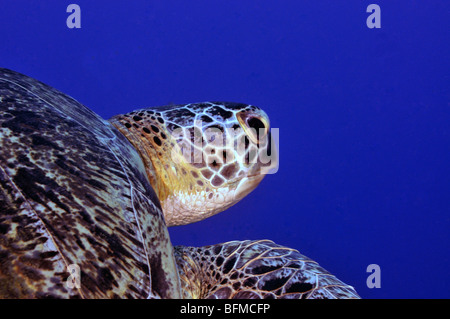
x=254, y=270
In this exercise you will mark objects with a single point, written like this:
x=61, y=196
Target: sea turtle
x=85, y=203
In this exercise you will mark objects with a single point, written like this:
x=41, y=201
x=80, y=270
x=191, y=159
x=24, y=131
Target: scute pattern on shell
x=258, y=269
x=74, y=191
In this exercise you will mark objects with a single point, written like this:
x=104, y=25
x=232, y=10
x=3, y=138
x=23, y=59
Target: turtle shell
x=74, y=195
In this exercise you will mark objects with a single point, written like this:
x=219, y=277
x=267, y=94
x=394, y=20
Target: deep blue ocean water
x=363, y=114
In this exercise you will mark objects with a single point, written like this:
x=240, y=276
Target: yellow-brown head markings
x=200, y=158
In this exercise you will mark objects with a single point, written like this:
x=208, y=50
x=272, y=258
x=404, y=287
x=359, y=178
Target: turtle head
x=201, y=158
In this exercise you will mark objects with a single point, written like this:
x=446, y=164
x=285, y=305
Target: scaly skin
x=199, y=156
x=258, y=269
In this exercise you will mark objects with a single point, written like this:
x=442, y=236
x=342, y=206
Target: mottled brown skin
x=74, y=191
x=201, y=158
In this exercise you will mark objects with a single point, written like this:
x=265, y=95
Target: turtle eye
x=255, y=126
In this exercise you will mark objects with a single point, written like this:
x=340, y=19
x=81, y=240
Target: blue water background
x=364, y=114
